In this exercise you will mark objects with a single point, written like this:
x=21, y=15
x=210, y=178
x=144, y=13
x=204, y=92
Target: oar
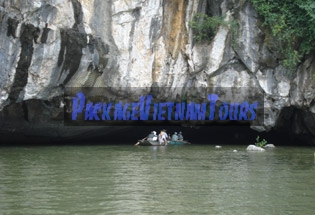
x=139, y=141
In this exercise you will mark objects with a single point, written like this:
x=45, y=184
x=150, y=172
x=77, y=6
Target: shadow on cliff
x=127, y=135
x=214, y=135
x=124, y=135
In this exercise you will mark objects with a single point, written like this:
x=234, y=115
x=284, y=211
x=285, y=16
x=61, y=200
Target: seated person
x=180, y=136
x=152, y=136
x=163, y=137
x=174, y=137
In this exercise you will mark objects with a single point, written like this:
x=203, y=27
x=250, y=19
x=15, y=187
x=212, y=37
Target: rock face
x=47, y=45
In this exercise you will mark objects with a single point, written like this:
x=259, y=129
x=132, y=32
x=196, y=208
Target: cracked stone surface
x=47, y=45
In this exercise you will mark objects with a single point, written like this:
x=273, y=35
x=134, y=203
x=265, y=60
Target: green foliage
x=261, y=143
x=205, y=27
x=292, y=23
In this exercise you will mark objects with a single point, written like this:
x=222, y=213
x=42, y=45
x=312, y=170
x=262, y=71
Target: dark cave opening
x=290, y=130
x=211, y=135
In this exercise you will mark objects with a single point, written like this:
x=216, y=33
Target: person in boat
x=180, y=136
x=163, y=137
x=175, y=136
x=152, y=136
x=155, y=137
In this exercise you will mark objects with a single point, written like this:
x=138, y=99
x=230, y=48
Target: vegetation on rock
x=260, y=143
x=292, y=23
x=205, y=27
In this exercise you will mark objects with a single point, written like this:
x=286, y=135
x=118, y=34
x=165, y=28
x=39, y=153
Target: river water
x=124, y=179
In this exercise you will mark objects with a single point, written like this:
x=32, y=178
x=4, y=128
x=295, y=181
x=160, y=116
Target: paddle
x=139, y=141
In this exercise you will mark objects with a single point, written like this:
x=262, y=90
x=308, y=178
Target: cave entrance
x=209, y=135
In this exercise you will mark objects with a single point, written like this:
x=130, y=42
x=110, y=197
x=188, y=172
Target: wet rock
x=254, y=148
x=269, y=146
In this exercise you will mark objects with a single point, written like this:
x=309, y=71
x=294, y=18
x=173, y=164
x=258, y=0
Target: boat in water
x=146, y=142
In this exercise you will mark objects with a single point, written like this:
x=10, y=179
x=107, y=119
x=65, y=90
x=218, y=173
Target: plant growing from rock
x=260, y=143
x=291, y=24
x=205, y=27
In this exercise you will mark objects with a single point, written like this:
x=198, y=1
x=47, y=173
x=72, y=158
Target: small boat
x=178, y=142
x=146, y=142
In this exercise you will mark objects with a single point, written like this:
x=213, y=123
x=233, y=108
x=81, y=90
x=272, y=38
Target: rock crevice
x=47, y=45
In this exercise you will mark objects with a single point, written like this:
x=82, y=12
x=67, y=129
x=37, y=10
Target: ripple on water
x=156, y=180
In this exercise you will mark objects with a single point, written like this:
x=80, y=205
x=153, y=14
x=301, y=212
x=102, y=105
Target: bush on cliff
x=205, y=27
x=292, y=23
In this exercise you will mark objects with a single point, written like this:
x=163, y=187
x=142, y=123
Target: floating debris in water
x=218, y=147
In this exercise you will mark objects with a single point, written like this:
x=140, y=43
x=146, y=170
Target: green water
x=192, y=179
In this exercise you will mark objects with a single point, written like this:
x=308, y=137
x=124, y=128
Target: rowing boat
x=146, y=142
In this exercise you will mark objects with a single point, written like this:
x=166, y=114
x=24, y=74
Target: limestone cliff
x=46, y=45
